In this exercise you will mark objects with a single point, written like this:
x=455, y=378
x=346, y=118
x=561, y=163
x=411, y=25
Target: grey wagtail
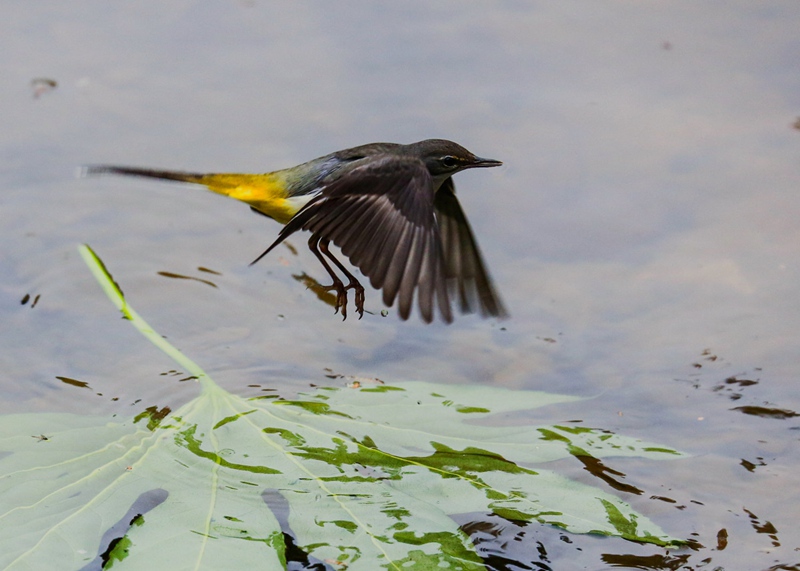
x=391, y=209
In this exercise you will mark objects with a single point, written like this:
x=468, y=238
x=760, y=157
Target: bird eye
x=449, y=161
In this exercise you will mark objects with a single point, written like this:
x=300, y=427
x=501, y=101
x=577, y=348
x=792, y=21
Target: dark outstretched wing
x=464, y=267
x=380, y=214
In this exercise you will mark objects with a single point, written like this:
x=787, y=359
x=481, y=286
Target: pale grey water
x=645, y=221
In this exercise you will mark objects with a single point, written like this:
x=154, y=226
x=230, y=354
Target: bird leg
x=317, y=244
x=337, y=285
x=353, y=283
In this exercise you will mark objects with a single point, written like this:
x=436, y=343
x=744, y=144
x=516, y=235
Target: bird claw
x=341, y=297
x=341, y=301
x=359, y=298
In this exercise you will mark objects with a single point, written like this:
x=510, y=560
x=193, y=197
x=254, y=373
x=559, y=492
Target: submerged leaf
x=360, y=478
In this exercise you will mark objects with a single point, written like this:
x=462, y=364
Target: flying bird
x=390, y=208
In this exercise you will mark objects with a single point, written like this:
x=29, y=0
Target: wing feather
x=380, y=215
x=410, y=278
x=466, y=273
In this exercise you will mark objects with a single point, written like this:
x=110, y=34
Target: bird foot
x=341, y=296
x=359, y=297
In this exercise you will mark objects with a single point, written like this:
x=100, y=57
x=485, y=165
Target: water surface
x=643, y=230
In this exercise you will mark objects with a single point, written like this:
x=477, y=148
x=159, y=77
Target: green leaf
x=371, y=475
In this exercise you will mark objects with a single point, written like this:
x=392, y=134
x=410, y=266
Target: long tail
x=92, y=170
x=265, y=193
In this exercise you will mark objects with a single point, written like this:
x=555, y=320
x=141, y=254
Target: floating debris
x=182, y=277
x=42, y=85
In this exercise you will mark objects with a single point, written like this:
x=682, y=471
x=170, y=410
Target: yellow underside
x=264, y=192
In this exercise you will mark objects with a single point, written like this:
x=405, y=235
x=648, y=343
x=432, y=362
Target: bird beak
x=479, y=162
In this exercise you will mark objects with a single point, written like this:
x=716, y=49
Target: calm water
x=643, y=231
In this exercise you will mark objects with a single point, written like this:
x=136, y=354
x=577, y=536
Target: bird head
x=445, y=158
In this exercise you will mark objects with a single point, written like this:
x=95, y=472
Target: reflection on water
x=319, y=290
